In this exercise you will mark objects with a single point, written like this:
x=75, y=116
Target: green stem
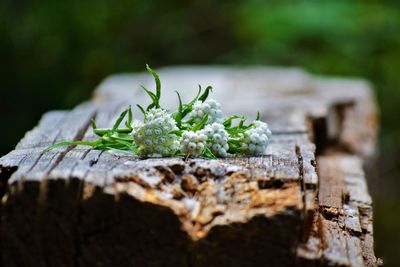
x=103, y=131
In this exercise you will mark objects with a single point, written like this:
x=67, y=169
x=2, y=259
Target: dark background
x=53, y=54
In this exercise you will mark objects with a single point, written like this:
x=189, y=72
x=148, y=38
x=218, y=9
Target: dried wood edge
x=341, y=234
x=353, y=116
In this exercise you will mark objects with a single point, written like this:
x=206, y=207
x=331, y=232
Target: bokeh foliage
x=53, y=54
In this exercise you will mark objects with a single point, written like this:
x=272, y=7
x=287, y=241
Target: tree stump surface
x=304, y=203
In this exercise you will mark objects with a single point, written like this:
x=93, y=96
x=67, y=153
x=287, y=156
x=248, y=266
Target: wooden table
x=304, y=203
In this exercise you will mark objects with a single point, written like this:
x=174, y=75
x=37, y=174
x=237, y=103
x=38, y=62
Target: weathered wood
x=331, y=185
x=344, y=214
x=75, y=206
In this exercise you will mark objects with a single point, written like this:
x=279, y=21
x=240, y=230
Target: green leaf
x=201, y=123
x=119, y=120
x=204, y=96
x=100, y=132
x=93, y=123
x=241, y=122
x=197, y=96
x=228, y=122
x=176, y=132
x=103, y=131
x=187, y=108
x=178, y=115
x=234, y=146
x=185, y=126
x=128, y=122
x=153, y=98
x=150, y=93
x=129, y=145
x=142, y=110
x=258, y=116
x=123, y=137
x=207, y=153
x=157, y=80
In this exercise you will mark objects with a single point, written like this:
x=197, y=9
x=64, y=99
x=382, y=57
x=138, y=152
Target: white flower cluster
x=183, y=132
x=153, y=136
x=210, y=107
x=136, y=126
x=217, y=139
x=255, y=140
x=193, y=143
x=263, y=128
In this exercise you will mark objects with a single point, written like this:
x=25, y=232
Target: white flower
x=153, y=136
x=217, y=139
x=210, y=107
x=255, y=140
x=263, y=127
x=136, y=125
x=193, y=143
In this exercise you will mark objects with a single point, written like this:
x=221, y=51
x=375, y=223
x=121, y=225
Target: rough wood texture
x=76, y=206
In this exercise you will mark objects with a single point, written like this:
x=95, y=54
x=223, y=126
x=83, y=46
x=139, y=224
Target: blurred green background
x=53, y=54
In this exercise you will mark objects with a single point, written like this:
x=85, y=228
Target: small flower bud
x=217, y=139
x=210, y=107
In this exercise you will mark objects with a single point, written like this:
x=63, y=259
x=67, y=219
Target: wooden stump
x=304, y=203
